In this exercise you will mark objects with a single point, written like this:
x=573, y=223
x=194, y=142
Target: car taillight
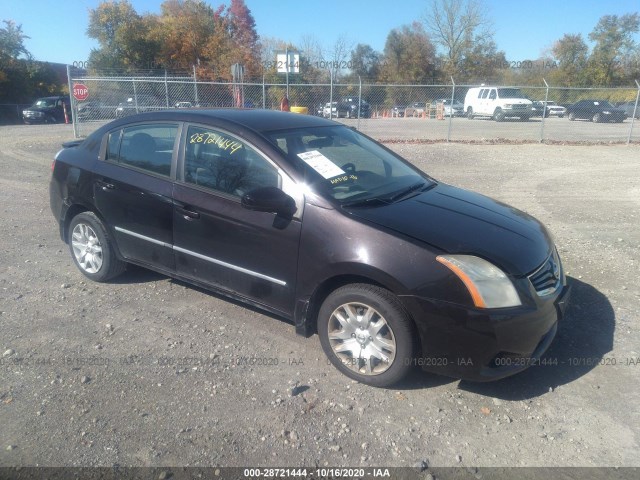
x=53, y=165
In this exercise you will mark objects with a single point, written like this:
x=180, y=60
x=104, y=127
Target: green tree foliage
x=409, y=56
x=571, y=52
x=614, y=48
x=21, y=78
x=365, y=62
x=185, y=34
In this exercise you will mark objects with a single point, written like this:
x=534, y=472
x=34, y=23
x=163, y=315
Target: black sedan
x=315, y=222
x=596, y=111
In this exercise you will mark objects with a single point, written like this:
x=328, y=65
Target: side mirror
x=270, y=200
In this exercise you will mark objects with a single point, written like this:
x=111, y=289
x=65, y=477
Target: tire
x=470, y=113
x=499, y=116
x=384, y=340
x=572, y=116
x=561, y=116
x=92, y=249
x=597, y=118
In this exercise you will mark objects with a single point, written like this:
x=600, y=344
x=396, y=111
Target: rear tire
x=367, y=335
x=92, y=249
x=470, y=113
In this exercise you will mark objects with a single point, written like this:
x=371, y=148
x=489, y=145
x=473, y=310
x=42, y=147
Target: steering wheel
x=349, y=167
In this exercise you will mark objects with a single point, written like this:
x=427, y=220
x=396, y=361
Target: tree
x=365, y=62
x=185, y=27
x=336, y=56
x=107, y=22
x=409, y=56
x=456, y=26
x=12, y=42
x=571, y=53
x=242, y=29
x=614, y=46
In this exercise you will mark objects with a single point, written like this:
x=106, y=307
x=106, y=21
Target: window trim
x=174, y=152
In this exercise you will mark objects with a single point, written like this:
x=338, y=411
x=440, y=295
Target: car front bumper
x=485, y=345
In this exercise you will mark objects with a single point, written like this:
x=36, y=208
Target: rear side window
x=145, y=147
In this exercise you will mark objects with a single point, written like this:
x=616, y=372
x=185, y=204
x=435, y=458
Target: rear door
x=133, y=190
x=219, y=242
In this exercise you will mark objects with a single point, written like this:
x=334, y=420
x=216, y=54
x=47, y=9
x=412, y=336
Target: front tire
x=597, y=118
x=91, y=248
x=572, y=116
x=366, y=334
x=499, y=116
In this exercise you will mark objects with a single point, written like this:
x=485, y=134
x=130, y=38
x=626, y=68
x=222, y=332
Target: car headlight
x=488, y=286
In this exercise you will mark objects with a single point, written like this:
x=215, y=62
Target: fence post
x=264, y=94
x=166, y=88
x=359, y=100
x=135, y=95
x=74, y=111
x=544, y=110
x=635, y=110
x=195, y=86
x=453, y=94
x=331, y=96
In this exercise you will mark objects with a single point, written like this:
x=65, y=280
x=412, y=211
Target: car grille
x=521, y=107
x=548, y=277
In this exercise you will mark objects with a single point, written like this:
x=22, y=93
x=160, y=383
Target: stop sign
x=80, y=91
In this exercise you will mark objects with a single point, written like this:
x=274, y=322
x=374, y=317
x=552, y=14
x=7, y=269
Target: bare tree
x=336, y=58
x=455, y=26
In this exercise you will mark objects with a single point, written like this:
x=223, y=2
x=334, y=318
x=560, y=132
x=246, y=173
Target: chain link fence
x=466, y=113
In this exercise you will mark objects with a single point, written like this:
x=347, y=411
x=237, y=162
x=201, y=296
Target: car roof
x=251, y=119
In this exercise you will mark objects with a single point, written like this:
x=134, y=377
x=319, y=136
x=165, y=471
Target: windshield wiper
x=367, y=202
x=404, y=192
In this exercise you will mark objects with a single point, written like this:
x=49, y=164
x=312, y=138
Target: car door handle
x=105, y=185
x=188, y=214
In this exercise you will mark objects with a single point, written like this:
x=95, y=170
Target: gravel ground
x=148, y=371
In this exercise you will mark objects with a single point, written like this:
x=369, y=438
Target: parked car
x=94, y=110
x=554, y=110
x=398, y=110
x=48, y=110
x=629, y=108
x=330, y=110
x=418, y=108
x=499, y=103
x=349, y=105
x=138, y=104
x=537, y=109
x=457, y=108
x=315, y=222
x=596, y=111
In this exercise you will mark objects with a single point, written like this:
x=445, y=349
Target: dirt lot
x=147, y=371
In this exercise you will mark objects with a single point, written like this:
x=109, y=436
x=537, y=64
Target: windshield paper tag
x=321, y=164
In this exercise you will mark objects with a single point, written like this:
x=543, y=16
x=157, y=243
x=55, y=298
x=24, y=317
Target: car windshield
x=603, y=103
x=510, y=93
x=347, y=167
x=45, y=102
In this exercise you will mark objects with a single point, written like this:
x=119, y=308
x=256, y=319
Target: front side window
x=218, y=161
x=145, y=147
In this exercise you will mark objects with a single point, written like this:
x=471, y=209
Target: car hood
x=459, y=221
x=34, y=108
